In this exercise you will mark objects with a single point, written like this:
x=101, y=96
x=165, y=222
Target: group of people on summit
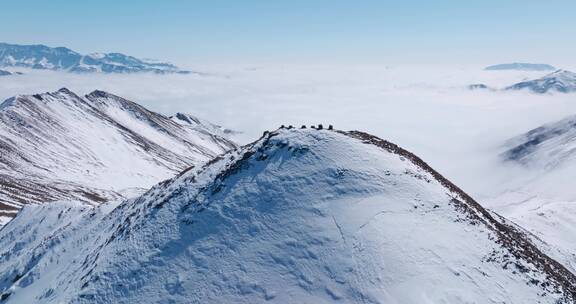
x=319, y=127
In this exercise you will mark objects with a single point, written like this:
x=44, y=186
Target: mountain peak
x=62, y=95
x=100, y=94
x=65, y=91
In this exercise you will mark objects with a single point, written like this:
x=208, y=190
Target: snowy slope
x=541, y=197
x=59, y=145
x=560, y=81
x=299, y=216
x=64, y=59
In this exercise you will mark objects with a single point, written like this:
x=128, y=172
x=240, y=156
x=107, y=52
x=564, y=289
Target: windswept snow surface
x=299, y=216
x=60, y=145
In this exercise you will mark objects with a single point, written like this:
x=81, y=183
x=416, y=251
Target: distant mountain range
x=64, y=59
x=560, y=81
x=521, y=67
x=8, y=73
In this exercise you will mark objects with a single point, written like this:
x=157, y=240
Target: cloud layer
x=426, y=109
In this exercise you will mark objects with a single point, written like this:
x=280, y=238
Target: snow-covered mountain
x=201, y=125
x=518, y=66
x=61, y=58
x=560, y=81
x=299, y=216
x=547, y=146
x=541, y=196
x=59, y=145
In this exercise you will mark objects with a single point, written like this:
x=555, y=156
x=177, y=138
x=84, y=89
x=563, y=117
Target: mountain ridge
x=56, y=144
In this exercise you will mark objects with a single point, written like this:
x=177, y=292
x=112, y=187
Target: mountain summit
x=64, y=59
x=299, y=216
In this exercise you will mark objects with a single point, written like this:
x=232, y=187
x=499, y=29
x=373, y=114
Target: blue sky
x=456, y=31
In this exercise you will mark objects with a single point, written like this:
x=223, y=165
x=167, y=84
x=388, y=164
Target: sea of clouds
x=426, y=109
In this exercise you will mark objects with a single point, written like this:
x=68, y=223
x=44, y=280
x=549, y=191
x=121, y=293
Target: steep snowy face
x=60, y=58
x=62, y=146
x=299, y=216
x=203, y=139
x=560, y=81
